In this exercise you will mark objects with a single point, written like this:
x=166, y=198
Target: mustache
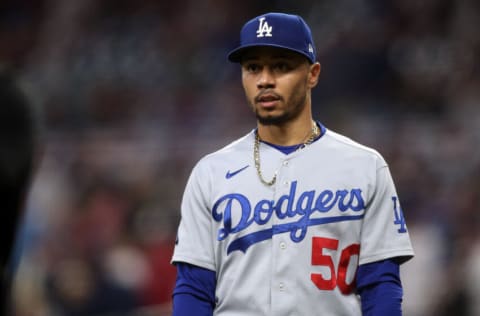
x=269, y=94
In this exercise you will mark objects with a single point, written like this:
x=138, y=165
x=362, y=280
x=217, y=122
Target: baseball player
x=292, y=218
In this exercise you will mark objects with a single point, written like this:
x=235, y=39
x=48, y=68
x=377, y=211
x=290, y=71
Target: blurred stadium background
x=134, y=92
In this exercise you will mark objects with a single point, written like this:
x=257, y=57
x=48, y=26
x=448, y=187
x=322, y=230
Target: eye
x=282, y=66
x=252, y=67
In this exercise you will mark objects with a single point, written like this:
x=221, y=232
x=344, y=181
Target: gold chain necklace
x=256, y=153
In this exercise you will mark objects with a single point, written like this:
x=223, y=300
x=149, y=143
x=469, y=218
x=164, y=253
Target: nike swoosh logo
x=234, y=173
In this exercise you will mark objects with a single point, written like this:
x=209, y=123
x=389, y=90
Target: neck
x=288, y=134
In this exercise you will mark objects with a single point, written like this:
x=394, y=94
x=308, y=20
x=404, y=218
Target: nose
x=266, y=79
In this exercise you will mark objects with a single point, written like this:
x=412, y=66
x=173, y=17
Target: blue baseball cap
x=276, y=30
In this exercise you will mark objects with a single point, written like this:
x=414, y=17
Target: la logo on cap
x=263, y=27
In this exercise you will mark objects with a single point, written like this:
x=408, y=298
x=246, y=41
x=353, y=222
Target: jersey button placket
x=285, y=164
x=282, y=299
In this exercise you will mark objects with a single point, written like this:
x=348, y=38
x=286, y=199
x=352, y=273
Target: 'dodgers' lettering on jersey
x=307, y=203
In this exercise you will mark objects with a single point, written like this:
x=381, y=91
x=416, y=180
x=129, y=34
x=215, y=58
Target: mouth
x=267, y=100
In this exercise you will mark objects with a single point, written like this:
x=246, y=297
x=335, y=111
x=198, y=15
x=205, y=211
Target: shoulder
x=339, y=144
x=237, y=151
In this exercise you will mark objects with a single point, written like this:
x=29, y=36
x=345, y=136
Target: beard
x=293, y=108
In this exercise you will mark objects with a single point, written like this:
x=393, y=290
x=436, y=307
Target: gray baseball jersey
x=292, y=248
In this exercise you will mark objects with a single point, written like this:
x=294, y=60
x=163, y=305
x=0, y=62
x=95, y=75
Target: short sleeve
x=194, y=243
x=384, y=231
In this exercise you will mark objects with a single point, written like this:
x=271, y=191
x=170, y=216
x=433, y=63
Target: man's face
x=277, y=83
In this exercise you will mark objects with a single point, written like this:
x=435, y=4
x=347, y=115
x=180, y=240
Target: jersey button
x=285, y=163
x=281, y=286
x=283, y=245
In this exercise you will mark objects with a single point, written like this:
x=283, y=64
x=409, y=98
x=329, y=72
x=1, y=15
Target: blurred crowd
x=133, y=93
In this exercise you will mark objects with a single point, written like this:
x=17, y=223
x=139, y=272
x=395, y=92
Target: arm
x=380, y=288
x=194, y=292
x=385, y=246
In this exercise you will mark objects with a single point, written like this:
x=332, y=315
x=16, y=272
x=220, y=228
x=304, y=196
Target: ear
x=313, y=74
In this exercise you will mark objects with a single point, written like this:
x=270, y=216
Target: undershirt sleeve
x=380, y=288
x=194, y=292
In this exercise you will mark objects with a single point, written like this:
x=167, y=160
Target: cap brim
x=235, y=56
